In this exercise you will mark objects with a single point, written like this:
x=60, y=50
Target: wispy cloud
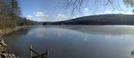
x=28, y=16
x=39, y=14
x=41, y=19
x=114, y=12
x=86, y=9
x=45, y=11
x=46, y=15
x=60, y=16
x=99, y=13
x=109, y=12
x=122, y=12
x=68, y=10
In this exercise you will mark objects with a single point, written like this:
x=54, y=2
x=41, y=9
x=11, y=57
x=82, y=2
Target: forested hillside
x=10, y=15
x=107, y=19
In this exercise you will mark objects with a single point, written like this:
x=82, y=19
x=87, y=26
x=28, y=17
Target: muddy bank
x=3, y=50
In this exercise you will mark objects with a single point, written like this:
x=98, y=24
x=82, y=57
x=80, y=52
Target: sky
x=46, y=10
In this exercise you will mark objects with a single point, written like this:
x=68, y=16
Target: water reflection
x=101, y=30
x=77, y=41
x=15, y=45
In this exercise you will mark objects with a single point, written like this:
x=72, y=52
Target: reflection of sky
x=46, y=32
x=77, y=42
x=39, y=35
x=106, y=29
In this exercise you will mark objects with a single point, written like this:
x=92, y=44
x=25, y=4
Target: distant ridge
x=106, y=19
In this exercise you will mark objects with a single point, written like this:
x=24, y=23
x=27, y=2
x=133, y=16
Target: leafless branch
x=77, y=6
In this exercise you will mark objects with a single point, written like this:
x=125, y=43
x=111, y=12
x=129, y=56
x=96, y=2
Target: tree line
x=107, y=19
x=10, y=14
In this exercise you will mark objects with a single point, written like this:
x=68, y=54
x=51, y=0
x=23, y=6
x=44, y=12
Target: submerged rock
x=132, y=53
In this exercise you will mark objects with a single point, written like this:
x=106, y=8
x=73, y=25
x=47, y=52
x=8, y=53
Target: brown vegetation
x=10, y=14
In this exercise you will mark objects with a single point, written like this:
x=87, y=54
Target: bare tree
x=76, y=6
x=10, y=14
x=4, y=12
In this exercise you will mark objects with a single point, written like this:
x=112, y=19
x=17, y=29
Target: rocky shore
x=3, y=50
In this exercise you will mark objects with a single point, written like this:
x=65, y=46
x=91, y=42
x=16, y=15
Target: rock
x=3, y=51
x=0, y=56
x=0, y=32
x=3, y=43
x=10, y=55
x=0, y=38
x=132, y=53
x=13, y=55
x=5, y=54
x=0, y=45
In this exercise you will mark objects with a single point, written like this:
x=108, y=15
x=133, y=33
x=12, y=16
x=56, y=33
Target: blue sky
x=44, y=10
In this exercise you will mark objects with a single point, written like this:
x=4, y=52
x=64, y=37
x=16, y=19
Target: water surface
x=73, y=41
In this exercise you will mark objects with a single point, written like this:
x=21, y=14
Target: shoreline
x=3, y=49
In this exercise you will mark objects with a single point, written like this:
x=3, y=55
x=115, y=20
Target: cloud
x=39, y=14
x=108, y=12
x=28, y=16
x=68, y=10
x=99, y=13
x=115, y=12
x=45, y=11
x=60, y=16
x=40, y=19
x=71, y=17
x=122, y=12
x=86, y=9
x=46, y=15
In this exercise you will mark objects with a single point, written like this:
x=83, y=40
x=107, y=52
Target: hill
x=35, y=23
x=107, y=19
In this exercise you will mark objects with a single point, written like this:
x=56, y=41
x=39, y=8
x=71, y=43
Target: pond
x=73, y=41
